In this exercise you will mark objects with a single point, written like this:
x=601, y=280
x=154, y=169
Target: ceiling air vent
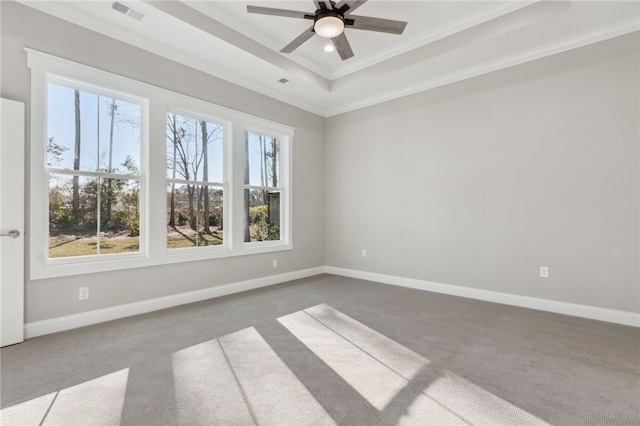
x=123, y=8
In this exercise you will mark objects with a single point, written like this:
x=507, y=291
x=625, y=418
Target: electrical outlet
x=544, y=272
x=84, y=293
x=364, y=253
x=275, y=263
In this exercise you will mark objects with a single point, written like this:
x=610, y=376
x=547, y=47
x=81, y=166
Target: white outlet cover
x=83, y=293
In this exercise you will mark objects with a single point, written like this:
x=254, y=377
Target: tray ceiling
x=444, y=42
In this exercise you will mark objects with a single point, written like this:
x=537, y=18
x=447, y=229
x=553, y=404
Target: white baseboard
x=54, y=325
x=573, y=309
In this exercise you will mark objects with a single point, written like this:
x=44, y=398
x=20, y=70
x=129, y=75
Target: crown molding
x=66, y=13
x=611, y=31
x=332, y=102
x=219, y=30
x=469, y=21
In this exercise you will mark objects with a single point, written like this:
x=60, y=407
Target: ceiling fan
x=330, y=20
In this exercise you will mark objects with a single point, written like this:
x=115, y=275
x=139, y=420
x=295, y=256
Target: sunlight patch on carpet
x=360, y=366
x=96, y=402
x=389, y=375
x=239, y=379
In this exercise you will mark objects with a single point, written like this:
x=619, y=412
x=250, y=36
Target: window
x=125, y=174
x=93, y=168
x=194, y=175
x=261, y=187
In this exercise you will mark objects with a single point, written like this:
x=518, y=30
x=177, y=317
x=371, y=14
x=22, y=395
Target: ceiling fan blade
x=298, y=41
x=278, y=12
x=323, y=4
x=346, y=7
x=376, y=24
x=342, y=46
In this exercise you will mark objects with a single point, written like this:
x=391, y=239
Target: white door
x=12, y=190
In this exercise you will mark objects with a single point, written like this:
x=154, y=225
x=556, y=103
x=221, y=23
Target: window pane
x=262, y=160
x=194, y=149
x=72, y=216
x=262, y=215
x=119, y=216
x=194, y=216
x=89, y=132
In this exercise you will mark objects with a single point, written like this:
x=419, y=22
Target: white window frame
x=157, y=102
x=226, y=174
x=284, y=189
x=144, y=106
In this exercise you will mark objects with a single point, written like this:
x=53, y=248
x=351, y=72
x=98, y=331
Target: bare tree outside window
x=93, y=152
x=194, y=182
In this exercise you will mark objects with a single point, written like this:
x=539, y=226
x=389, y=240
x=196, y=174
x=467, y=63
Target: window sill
x=55, y=268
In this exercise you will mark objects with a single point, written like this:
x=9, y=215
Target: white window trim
x=40, y=145
x=153, y=239
x=284, y=189
x=209, y=113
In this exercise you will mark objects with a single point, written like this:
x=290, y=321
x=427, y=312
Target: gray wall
x=22, y=26
x=475, y=184
x=479, y=183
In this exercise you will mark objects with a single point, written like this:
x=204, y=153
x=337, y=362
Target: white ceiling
x=444, y=42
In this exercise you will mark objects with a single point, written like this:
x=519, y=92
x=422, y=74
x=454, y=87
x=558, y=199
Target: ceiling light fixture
x=329, y=48
x=328, y=24
x=330, y=20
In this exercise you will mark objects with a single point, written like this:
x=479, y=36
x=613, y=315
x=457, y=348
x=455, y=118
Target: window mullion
x=157, y=201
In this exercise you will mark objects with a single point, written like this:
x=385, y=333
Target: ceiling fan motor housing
x=328, y=23
x=325, y=13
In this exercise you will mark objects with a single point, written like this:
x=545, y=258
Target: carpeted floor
x=328, y=350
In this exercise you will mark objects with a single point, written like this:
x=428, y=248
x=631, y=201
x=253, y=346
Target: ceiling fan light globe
x=329, y=27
